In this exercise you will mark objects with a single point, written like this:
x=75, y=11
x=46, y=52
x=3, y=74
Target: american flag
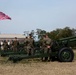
x=4, y=16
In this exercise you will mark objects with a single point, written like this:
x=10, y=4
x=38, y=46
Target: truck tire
x=66, y=55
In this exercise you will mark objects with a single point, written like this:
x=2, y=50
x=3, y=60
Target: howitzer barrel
x=68, y=38
x=69, y=41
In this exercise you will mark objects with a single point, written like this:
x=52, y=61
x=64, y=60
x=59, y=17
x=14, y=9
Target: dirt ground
x=38, y=68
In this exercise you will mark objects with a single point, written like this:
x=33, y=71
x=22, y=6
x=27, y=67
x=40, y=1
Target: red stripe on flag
x=4, y=16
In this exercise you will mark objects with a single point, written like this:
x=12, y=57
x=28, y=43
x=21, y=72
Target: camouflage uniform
x=11, y=45
x=46, y=45
x=47, y=42
x=25, y=43
x=5, y=45
x=15, y=44
x=30, y=46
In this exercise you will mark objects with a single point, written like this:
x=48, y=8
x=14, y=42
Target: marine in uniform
x=25, y=43
x=5, y=45
x=30, y=45
x=15, y=44
x=46, y=46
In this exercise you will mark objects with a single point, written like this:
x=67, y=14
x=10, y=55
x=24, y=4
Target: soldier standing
x=15, y=44
x=30, y=45
x=46, y=46
x=11, y=45
x=25, y=44
x=5, y=44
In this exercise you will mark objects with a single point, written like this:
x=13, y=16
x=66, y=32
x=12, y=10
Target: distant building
x=11, y=37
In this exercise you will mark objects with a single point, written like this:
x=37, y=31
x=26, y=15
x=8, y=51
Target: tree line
x=58, y=33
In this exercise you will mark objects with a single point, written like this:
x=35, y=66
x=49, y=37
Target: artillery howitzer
x=60, y=50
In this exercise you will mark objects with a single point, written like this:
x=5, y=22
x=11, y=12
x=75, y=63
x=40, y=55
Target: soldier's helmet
x=30, y=35
x=15, y=37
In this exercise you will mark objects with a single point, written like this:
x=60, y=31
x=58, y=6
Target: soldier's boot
x=44, y=59
x=48, y=59
x=29, y=52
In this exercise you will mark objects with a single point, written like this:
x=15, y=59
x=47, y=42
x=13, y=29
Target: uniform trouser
x=25, y=48
x=8, y=46
x=15, y=48
x=30, y=50
x=5, y=48
x=46, y=51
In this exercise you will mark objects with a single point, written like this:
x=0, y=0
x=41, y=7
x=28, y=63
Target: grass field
x=36, y=67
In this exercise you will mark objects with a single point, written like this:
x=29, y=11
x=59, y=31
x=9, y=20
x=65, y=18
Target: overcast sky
x=32, y=14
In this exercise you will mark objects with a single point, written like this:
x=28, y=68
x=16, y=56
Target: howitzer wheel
x=66, y=55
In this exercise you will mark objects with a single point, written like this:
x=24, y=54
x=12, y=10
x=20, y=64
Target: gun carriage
x=60, y=49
